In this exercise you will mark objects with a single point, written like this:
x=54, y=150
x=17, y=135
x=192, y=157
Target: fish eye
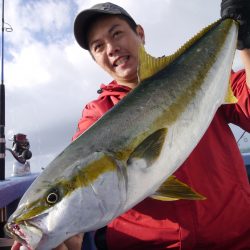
x=52, y=197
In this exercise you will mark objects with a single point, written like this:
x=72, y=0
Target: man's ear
x=140, y=33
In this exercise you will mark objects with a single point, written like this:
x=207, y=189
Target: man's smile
x=121, y=60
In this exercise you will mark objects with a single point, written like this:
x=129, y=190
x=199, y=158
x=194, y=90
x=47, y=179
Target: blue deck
x=246, y=158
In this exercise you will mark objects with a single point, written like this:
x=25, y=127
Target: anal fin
x=173, y=189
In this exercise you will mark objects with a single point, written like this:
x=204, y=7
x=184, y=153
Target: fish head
x=40, y=218
x=60, y=205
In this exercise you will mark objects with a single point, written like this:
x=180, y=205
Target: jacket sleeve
x=239, y=113
x=90, y=115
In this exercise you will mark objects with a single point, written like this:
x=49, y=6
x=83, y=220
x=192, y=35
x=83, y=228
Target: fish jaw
x=25, y=233
x=34, y=233
x=30, y=231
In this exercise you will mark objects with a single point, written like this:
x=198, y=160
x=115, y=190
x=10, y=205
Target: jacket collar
x=112, y=89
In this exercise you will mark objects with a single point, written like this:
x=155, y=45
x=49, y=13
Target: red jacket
x=215, y=168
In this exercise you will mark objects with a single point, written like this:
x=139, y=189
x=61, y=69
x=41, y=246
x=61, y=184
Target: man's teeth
x=121, y=60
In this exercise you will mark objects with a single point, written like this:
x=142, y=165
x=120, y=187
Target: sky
x=49, y=78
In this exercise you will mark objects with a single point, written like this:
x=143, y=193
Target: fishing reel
x=20, y=148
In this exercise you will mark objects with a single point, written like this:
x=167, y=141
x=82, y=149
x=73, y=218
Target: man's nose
x=112, y=48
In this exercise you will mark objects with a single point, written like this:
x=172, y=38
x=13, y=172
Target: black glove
x=239, y=10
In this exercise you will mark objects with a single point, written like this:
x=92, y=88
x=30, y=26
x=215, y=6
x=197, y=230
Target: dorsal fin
x=149, y=65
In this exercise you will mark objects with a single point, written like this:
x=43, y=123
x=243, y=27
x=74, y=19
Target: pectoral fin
x=148, y=150
x=173, y=189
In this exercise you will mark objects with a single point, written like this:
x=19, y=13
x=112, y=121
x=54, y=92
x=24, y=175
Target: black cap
x=83, y=19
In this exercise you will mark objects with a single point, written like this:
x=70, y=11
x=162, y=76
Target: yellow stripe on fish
x=82, y=178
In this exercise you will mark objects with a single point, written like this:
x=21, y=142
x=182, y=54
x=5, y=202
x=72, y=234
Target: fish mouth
x=21, y=231
x=13, y=230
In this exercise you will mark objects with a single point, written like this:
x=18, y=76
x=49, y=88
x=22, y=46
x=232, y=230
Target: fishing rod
x=2, y=107
x=20, y=150
x=2, y=100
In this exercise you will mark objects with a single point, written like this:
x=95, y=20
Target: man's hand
x=239, y=10
x=73, y=243
x=16, y=246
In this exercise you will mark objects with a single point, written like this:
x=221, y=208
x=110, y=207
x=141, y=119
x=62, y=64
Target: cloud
x=37, y=20
x=49, y=78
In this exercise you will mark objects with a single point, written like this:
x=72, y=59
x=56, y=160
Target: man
x=214, y=168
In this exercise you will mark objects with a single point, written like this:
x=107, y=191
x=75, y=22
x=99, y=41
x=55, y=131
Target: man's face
x=114, y=46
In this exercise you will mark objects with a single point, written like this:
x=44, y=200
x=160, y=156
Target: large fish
x=133, y=150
